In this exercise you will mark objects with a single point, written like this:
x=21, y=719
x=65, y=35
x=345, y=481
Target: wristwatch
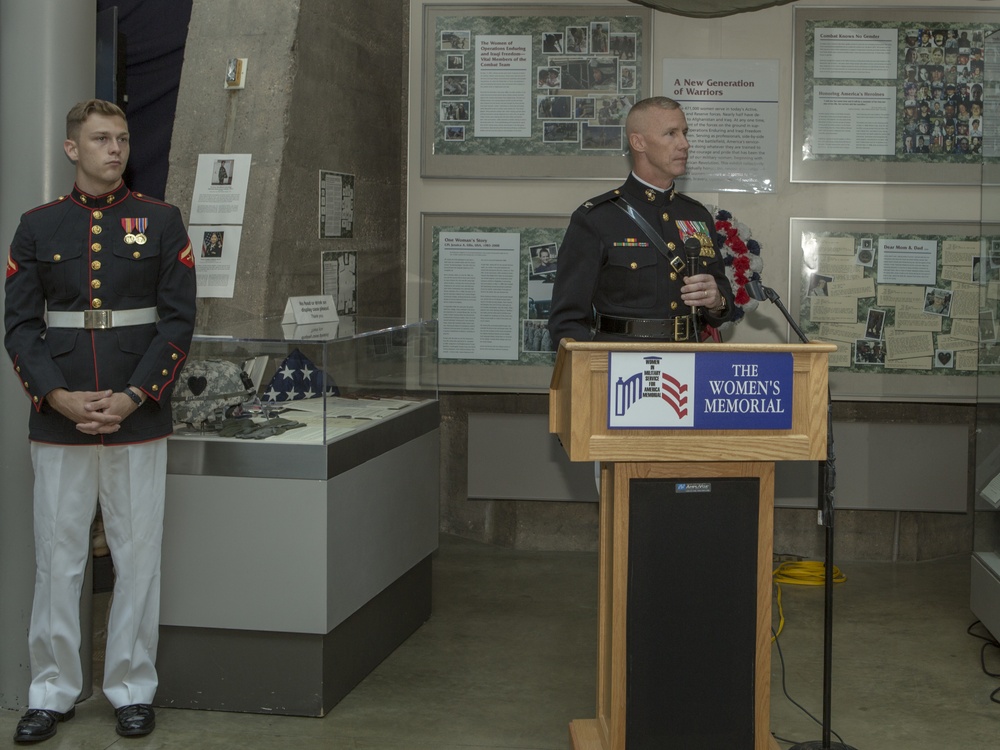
x=133, y=395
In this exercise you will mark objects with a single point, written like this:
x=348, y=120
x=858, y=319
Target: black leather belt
x=679, y=328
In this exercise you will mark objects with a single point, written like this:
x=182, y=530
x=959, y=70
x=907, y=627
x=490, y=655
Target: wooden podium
x=686, y=523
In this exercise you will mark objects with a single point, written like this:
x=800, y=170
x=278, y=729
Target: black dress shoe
x=38, y=725
x=135, y=720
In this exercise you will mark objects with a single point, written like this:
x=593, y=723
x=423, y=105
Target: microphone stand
x=827, y=482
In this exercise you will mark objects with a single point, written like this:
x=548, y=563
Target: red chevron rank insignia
x=185, y=256
x=12, y=267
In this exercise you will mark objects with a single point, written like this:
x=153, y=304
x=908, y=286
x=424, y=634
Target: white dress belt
x=89, y=319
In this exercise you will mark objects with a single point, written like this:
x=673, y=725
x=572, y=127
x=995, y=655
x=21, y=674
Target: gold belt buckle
x=682, y=321
x=96, y=319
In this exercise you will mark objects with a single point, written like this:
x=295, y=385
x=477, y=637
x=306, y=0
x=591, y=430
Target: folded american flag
x=297, y=378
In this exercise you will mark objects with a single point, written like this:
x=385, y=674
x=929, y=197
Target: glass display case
x=267, y=399
x=301, y=512
x=330, y=378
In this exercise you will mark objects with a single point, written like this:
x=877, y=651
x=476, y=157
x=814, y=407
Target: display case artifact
x=263, y=390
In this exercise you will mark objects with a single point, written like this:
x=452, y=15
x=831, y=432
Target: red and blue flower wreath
x=742, y=259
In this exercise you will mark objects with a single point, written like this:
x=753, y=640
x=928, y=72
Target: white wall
x=764, y=35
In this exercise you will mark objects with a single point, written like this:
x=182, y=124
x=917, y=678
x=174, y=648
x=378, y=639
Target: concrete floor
x=508, y=659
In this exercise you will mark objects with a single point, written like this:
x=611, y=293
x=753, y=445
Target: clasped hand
x=93, y=412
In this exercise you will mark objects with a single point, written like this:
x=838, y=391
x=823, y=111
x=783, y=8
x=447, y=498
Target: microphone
x=692, y=251
x=760, y=292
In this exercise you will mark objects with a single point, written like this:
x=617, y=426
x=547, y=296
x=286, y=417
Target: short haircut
x=82, y=110
x=645, y=105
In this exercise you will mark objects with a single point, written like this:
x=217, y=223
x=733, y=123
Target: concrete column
x=323, y=91
x=47, y=61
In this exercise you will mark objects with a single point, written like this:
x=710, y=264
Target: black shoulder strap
x=676, y=261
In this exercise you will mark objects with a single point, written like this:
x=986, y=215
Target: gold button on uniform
x=96, y=265
x=96, y=229
x=155, y=387
x=57, y=257
x=25, y=383
x=96, y=303
x=633, y=265
x=671, y=245
x=673, y=305
x=173, y=356
x=95, y=284
x=165, y=372
x=98, y=215
x=96, y=247
x=137, y=255
x=35, y=399
x=666, y=216
x=673, y=276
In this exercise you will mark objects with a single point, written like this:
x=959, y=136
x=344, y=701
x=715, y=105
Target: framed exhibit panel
x=989, y=314
x=488, y=280
x=906, y=303
x=889, y=95
x=524, y=91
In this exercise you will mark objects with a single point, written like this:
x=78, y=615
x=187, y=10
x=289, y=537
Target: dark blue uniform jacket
x=72, y=255
x=607, y=263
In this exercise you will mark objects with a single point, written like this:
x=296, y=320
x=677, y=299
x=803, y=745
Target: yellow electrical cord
x=801, y=573
x=805, y=573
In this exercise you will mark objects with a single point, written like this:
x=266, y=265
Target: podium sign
x=687, y=436
x=700, y=390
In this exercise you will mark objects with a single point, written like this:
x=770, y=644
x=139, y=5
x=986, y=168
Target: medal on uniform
x=698, y=230
x=140, y=234
x=127, y=225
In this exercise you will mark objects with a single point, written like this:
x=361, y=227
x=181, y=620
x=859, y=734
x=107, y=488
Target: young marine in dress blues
x=99, y=315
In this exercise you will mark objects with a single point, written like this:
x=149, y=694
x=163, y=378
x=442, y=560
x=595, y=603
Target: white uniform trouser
x=130, y=481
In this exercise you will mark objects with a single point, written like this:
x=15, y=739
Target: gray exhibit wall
x=43, y=36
